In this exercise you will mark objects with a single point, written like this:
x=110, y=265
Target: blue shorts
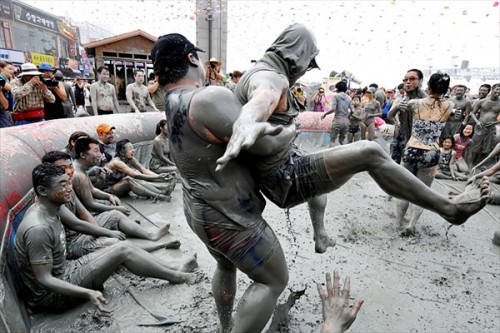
x=421, y=158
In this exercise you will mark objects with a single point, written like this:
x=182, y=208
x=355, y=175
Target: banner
x=35, y=17
x=16, y=57
x=38, y=58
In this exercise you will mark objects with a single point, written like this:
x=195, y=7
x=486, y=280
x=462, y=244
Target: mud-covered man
x=103, y=94
x=138, y=94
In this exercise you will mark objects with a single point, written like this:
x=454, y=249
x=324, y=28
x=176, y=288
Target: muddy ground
x=434, y=282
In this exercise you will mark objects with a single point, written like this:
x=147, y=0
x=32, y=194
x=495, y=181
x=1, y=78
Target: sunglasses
x=411, y=79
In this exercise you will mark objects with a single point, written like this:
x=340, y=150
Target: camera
x=50, y=82
x=2, y=82
x=212, y=65
x=299, y=90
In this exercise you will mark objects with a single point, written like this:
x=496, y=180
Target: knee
x=123, y=249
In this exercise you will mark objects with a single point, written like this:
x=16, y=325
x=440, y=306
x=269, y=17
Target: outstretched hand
x=244, y=136
x=337, y=316
x=98, y=301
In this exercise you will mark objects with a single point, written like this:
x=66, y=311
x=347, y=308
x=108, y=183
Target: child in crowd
x=447, y=161
x=356, y=117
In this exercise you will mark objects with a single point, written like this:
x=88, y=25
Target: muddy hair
x=75, y=136
x=439, y=83
x=55, y=155
x=82, y=145
x=169, y=71
x=43, y=175
x=120, y=147
x=160, y=124
x=341, y=86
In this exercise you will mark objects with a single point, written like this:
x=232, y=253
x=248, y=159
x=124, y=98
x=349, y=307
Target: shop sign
x=38, y=58
x=35, y=17
x=12, y=56
x=5, y=10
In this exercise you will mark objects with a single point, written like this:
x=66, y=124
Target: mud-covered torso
x=231, y=191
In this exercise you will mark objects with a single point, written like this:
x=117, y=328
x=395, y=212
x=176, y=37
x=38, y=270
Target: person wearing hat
x=213, y=73
x=107, y=145
x=30, y=93
x=53, y=110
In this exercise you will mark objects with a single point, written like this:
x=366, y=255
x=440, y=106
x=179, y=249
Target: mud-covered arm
x=394, y=109
x=267, y=92
x=70, y=221
x=214, y=111
x=43, y=275
x=492, y=154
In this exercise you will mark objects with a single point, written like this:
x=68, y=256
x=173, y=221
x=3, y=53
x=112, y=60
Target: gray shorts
x=85, y=244
x=295, y=182
x=79, y=272
x=246, y=246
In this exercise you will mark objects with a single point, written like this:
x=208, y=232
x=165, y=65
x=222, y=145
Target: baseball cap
x=104, y=128
x=371, y=90
x=171, y=49
x=45, y=66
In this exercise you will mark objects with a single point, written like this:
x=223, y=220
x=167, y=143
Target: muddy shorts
x=421, y=158
x=340, y=126
x=354, y=129
x=247, y=247
x=80, y=272
x=85, y=244
x=295, y=182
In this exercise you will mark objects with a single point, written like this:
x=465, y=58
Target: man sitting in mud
x=88, y=154
x=225, y=208
x=53, y=283
x=86, y=233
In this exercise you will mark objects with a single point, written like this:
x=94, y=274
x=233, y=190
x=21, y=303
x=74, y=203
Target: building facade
x=29, y=34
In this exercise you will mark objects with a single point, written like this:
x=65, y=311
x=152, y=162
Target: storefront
x=123, y=54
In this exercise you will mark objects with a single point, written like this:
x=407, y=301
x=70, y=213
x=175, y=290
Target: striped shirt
x=27, y=96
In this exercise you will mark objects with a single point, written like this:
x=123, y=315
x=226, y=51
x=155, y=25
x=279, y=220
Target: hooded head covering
x=293, y=52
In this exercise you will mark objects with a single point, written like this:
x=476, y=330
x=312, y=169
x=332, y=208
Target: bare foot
x=470, y=202
x=322, y=242
x=173, y=245
x=408, y=232
x=181, y=277
x=190, y=265
x=161, y=197
x=161, y=232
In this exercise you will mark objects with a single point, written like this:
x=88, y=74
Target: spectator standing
x=235, y=77
x=6, y=100
x=342, y=107
x=138, y=94
x=402, y=131
x=372, y=109
x=462, y=106
x=318, y=101
x=389, y=100
x=213, y=73
x=156, y=92
x=103, y=94
x=69, y=104
x=379, y=94
x=30, y=93
x=53, y=110
x=355, y=119
x=80, y=93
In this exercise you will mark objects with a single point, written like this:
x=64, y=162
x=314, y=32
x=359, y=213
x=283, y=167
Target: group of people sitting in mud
x=232, y=150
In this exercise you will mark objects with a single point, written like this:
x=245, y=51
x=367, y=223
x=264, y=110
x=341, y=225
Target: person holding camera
x=53, y=110
x=7, y=70
x=213, y=73
x=319, y=101
x=30, y=92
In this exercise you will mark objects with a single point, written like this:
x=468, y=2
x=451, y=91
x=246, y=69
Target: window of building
x=34, y=40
